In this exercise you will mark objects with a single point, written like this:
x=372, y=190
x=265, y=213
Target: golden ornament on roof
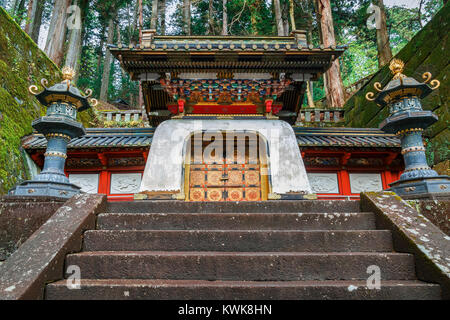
x=397, y=67
x=68, y=73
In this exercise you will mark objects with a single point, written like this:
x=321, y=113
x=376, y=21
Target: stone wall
x=20, y=217
x=427, y=51
x=22, y=63
x=437, y=211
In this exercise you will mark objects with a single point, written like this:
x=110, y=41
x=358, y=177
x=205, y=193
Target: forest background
x=102, y=22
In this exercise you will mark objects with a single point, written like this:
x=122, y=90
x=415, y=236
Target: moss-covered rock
x=22, y=63
x=427, y=51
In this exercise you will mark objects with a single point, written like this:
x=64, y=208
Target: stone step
x=248, y=266
x=238, y=240
x=138, y=289
x=232, y=221
x=273, y=206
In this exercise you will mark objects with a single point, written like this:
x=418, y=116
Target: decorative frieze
x=126, y=162
x=365, y=162
x=83, y=163
x=321, y=161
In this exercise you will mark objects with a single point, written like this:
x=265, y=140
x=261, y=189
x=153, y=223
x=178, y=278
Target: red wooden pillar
x=181, y=103
x=103, y=186
x=268, y=104
x=103, y=181
x=344, y=180
x=388, y=179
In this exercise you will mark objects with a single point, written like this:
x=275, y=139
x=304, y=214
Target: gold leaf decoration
x=378, y=86
x=435, y=84
x=427, y=77
x=370, y=96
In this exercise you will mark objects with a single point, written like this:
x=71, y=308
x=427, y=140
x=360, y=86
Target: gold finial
x=397, y=67
x=68, y=73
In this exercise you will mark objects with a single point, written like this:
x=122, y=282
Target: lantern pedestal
x=433, y=188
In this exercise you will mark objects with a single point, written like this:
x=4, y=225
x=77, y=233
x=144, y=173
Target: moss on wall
x=22, y=63
x=427, y=51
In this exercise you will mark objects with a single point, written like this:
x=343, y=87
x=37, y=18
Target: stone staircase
x=266, y=250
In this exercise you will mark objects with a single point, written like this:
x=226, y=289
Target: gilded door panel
x=235, y=194
x=196, y=194
x=197, y=178
x=235, y=178
x=214, y=178
x=214, y=194
x=252, y=194
x=252, y=178
x=225, y=182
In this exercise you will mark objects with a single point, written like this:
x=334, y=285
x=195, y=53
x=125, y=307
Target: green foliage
x=22, y=63
x=427, y=51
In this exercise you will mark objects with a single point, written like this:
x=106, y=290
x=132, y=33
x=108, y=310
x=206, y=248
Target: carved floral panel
x=324, y=182
x=125, y=183
x=87, y=182
x=363, y=182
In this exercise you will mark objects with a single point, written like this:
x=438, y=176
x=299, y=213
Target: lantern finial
x=68, y=73
x=397, y=67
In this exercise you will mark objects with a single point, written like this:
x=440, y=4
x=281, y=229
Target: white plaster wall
x=163, y=170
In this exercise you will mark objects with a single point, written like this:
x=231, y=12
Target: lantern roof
x=402, y=86
x=64, y=91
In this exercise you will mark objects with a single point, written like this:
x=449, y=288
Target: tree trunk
x=154, y=17
x=107, y=63
x=291, y=14
x=224, y=18
x=285, y=17
x=187, y=17
x=57, y=32
x=383, y=45
x=141, y=21
x=36, y=22
x=210, y=30
x=32, y=5
x=74, y=45
x=134, y=24
x=309, y=95
x=278, y=19
x=119, y=40
x=309, y=84
x=162, y=16
x=254, y=8
x=100, y=48
x=334, y=87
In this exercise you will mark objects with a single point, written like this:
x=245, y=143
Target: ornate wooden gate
x=225, y=182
